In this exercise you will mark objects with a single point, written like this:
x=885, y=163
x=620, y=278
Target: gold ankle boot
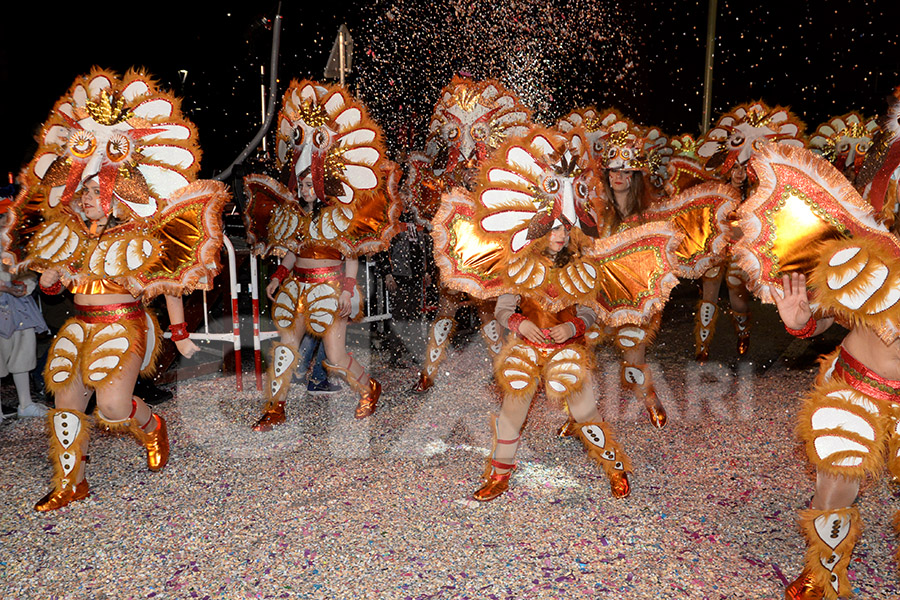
x=157, y=444
x=495, y=484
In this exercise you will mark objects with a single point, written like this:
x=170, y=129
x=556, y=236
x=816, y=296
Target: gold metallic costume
x=497, y=241
x=327, y=134
x=470, y=121
x=806, y=217
x=160, y=233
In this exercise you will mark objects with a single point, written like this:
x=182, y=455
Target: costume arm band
x=281, y=273
x=179, y=331
x=515, y=320
x=579, y=326
x=53, y=289
x=807, y=331
x=347, y=284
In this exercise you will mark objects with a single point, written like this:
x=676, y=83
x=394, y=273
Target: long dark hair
x=638, y=199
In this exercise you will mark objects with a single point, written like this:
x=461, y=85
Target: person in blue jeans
x=313, y=351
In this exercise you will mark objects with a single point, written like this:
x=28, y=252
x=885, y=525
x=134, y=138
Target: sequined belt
x=864, y=380
x=318, y=274
x=109, y=313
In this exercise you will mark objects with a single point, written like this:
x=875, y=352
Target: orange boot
x=830, y=537
x=69, y=434
x=602, y=448
x=495, y=484
x=369, y=389
x=704, y=328
x=638, y=379
x=281, y=369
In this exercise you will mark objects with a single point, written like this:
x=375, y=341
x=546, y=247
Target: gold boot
x=155, y=442
x=424, y=384
x=369, y=390
x=742, y=329
x=704, y=328
x=602, y=448
x=804, y=588
x=281, y=369
x=638, y=379
x=830, y=538
x=69, y=434
x=495, y=484
x=435, y=351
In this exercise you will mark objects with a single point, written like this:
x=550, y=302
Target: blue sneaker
x=322, y=387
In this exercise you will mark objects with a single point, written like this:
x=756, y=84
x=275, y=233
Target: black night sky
x=822, y=58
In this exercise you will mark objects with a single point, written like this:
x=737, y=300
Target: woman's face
x=307, y=192
x=559, y=238
x=738, y=175
x=620, y=180
x=90, y=201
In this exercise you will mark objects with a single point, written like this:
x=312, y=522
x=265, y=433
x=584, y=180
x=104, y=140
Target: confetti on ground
x=331, y=507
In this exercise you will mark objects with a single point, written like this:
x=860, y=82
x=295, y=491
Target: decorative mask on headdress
x=844, y=141
x=126, y=132
x=324, y=129
x=879, y=177
x=470, y=120
x=742, y=131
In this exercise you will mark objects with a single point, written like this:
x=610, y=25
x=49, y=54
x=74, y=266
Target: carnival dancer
x=518, y=238
x=111, y=210
x=806, y=223
x=727, y=148
x=332, y=154
x=470, y=120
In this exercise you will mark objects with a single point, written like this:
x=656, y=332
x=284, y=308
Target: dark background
x=822, y=58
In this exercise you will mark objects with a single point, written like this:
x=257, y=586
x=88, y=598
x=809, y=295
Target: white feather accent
x=505, y=220
x=357, y=137
x=135, y=89
x=496, y=175
x=829, y=444
x=857, y=299
x=542, y=144
x=170, y=155
x=842, y=256
x=111, y=264
x=493, y=198
x=365, y=155
x=889, y=300
x=334, y=104
x=520, y=158
x=349, y=118
x=838, y=281
x=120, y=344
x=361, y=178
x=152, y=109
x=836, y=418
x=519, y=240
x=163, y=181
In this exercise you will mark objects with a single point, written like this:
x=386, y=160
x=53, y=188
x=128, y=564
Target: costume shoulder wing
x=468, y=261
x=800, y=203
x=858, y=281
x=636, y=271
x=272, y=216
x=39, y=238
x=189, y=234
x=701, y=213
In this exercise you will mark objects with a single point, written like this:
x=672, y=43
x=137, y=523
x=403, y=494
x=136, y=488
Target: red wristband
x=53, y=289
x=579, y=326
x=514, y=321
x=347, y=284
x=281, y=273
x=179, y=331
x=808, y=330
